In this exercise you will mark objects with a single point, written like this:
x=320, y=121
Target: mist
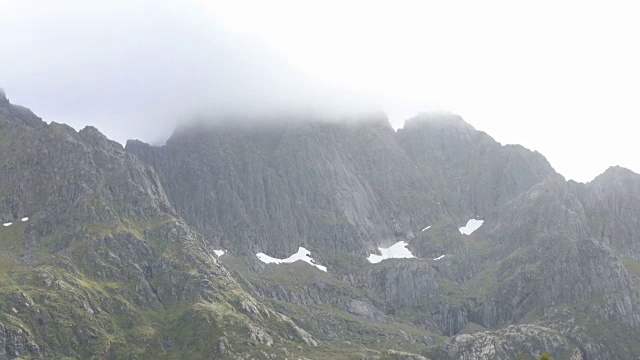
x=559, y=78
x=138, y=71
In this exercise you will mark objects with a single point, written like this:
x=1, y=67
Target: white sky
x=558, y=77
x=562, y=78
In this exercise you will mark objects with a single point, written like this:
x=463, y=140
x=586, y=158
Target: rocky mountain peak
x=617, y=172
x=94, y=136
x=158, y=252
x=17, y=112
x=616, y=177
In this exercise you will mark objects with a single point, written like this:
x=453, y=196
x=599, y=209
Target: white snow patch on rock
x=472, y=225
x=219, y=252
x=25, y=219
x=439, y=257
x=427, y=228
x=7, y=224
x=396, y=251
x=302, y=254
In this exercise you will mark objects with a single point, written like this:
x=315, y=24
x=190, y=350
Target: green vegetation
x=544, y=356
x=64, y=301
x=11, y=237
x=472, y=328
x=324, y=310
x=632, y=266
x=109, y=270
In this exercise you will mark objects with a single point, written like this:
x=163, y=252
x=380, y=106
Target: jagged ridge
x=116, y=257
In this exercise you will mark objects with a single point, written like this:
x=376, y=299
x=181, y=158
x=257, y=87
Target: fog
x=138, y=71
x=559, y=77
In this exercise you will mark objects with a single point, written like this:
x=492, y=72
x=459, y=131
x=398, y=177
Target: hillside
x=151, y=252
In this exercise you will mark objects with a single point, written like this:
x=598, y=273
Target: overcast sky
x=558, y=77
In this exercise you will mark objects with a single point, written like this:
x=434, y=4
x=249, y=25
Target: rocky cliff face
x=473, y=174
x=95, y=262
x=326, y=186
x=109, y=252
x=512, y=342
x=339, y=187
x=539, y=249
x=611, y=202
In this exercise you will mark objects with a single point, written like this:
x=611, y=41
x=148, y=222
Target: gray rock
x=528, y=341
x=119, y=236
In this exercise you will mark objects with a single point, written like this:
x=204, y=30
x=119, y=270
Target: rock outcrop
x=512, y=342
x=325, y=186
x=108, y=252
x=93, y=252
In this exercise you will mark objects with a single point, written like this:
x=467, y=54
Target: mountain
x=94, y=261
x=151, y=251
x=340, y=187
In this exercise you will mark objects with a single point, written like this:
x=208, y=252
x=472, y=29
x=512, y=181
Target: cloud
x=135, y=70
x=557, y=78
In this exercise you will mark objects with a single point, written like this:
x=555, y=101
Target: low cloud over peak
x=139, y=71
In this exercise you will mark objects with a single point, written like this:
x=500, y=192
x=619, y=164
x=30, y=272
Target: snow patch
x=439, y=257
x=472, y=225
x=427, y=228
x=25, y=219
x=218, y=252
x=302, y=254
x=7, y=224
x=396, y=251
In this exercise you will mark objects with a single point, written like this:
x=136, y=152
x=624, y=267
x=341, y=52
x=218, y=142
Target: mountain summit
x=313, y=239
